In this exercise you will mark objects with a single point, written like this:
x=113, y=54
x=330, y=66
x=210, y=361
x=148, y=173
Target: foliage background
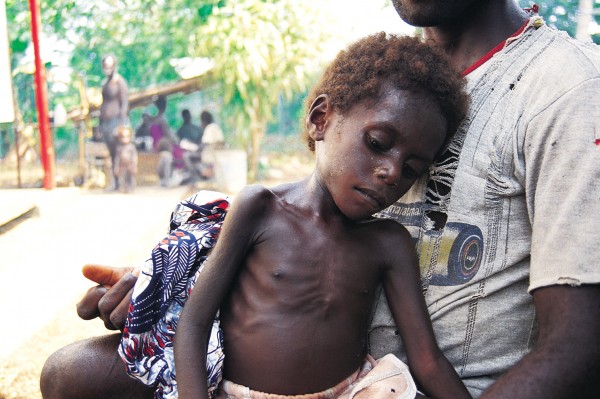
x=266, y=52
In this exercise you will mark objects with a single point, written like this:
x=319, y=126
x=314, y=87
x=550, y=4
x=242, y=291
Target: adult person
x=114, y=109
x=143, y=139
x=188, y=131
x=200, y=164
x=507, y=249
x=190, y=141
x=521, y=319
x=164, y=142
x=212, y=141
x=158, y=126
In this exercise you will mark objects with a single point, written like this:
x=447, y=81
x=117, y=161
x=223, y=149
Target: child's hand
x=110, y=299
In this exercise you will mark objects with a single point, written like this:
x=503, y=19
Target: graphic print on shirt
x=450, y=253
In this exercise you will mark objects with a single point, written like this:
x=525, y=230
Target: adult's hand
x=110, y=299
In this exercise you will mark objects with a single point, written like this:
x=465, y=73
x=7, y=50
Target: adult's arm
x=565, y=362
x=109, y=300
x=562, y=159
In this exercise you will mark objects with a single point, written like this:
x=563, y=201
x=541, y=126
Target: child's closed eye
x=376, y=144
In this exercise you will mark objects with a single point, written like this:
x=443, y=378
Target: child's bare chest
x=306, y=261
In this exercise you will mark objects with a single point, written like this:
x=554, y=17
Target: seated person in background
x=143, y=139
x=190, y=141
x=189, y=135
x=212, y=141
x=126, y=160
x=159, y=127
x=200, y=163
x=296, y=267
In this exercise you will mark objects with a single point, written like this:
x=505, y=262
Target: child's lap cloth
x=382, y=379
x=163, y=286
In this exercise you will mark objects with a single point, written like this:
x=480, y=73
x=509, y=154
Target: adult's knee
x=90, y=369
x=56, y=380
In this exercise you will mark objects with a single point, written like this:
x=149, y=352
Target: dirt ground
x=41, y=258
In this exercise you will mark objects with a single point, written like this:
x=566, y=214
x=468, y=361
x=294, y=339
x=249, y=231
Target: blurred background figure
x=212, y=141
x=191, y=143
x=199, y=164
x=143, y=140
x=164, y=168
x=166, y=144
x=159, y=127
x=113, y=111
x=126, y=160
x=188, y=132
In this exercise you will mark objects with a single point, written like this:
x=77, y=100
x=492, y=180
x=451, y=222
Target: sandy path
x=40, y=263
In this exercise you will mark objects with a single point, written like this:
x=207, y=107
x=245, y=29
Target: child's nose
x=389, y=172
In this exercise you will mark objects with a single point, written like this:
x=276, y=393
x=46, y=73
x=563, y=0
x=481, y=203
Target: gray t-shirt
x=513, y=205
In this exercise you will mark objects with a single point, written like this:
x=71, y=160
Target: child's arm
x=430, y=368
x=213, y=284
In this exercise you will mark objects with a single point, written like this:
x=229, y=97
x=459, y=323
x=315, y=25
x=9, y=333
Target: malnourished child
x=296, y=267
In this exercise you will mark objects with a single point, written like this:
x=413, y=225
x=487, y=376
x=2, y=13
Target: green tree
x=260, y=49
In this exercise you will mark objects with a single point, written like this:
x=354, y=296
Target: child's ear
x=318, y=116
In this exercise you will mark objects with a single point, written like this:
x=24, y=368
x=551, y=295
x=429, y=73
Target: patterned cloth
x=164, y=284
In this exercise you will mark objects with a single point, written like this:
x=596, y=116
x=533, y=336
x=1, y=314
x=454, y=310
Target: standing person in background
x=516, y=190
x=164, y=168
x=126, y=160
x=114, y=109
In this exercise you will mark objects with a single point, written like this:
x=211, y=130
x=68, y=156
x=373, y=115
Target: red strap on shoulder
x=493, y=51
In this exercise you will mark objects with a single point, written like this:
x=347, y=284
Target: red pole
x=41, y=99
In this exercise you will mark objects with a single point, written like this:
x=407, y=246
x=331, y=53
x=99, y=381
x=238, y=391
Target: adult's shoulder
x=120, y=79
x=542, y=68
x=558, y=56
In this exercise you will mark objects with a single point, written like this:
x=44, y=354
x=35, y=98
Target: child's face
x=373, y=153
x=124, y=136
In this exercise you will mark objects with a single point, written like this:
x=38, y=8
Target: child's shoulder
x=263, y=201
x=257, y=192
x=255, y=198
x=387, y=230
x=390, y=242
x=254, y=193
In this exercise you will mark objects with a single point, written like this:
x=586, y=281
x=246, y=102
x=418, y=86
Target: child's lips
x=373, y=197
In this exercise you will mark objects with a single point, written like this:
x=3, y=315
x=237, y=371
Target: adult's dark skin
x=565, y=362
x=109, y=300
